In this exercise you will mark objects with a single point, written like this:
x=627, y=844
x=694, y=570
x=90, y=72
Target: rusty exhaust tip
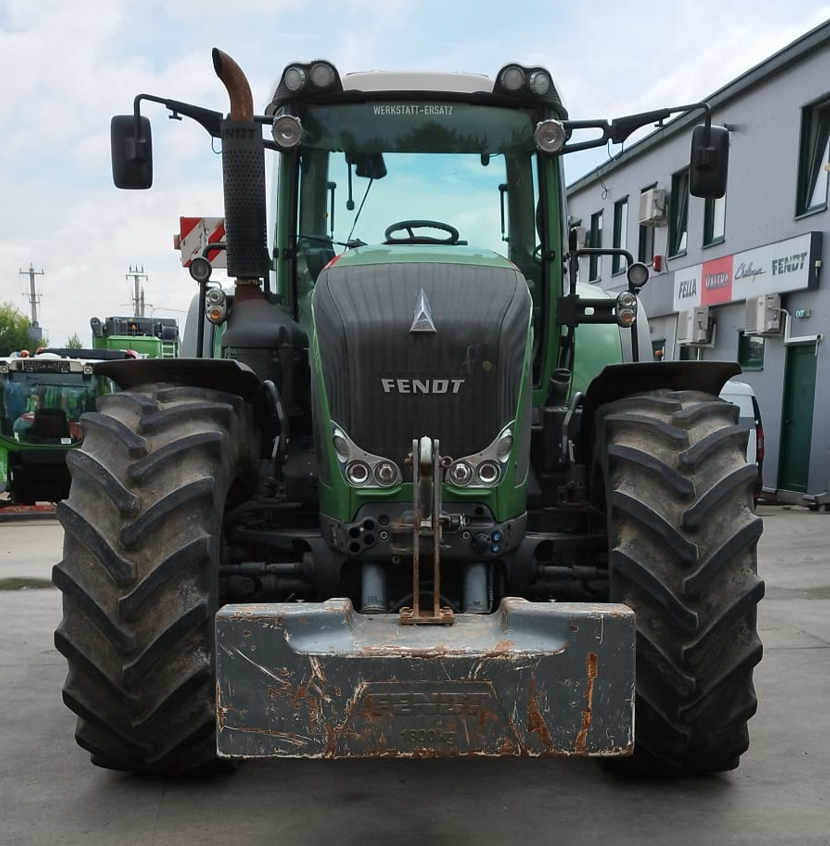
x=235, y=81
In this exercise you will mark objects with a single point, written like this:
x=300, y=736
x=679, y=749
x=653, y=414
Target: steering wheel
x=409, y=225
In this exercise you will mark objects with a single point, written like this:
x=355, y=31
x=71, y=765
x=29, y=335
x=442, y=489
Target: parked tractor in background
x=42, y=399
x=153, y=337
x=428, y=502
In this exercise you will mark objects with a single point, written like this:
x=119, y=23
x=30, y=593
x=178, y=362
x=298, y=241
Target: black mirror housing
x=132, y=156
x=709, y=162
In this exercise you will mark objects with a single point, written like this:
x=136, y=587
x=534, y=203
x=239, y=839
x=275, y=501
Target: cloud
x=67, y=68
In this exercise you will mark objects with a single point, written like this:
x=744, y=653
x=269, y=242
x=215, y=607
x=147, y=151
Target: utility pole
x=35, y=332
x=137, y=274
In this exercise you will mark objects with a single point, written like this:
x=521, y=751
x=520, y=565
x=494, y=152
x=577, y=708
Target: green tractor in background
x=42, y=399
x=153, y=337
x=414, y=493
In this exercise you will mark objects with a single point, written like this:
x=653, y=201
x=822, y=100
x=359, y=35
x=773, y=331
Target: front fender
x=221, y=374
x=616, y=381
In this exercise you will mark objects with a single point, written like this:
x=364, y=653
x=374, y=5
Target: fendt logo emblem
x=421, y=386
x=416, y=704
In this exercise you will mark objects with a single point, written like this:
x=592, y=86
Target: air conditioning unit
x=694, y=326
x=653, y=207
x=763, y=315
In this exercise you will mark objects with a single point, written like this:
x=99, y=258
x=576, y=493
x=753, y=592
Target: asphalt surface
x=50, y=794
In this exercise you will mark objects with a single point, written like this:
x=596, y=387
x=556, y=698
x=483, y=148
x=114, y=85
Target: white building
x=738, y=278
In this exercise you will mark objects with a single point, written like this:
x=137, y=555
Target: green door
x=797, y=417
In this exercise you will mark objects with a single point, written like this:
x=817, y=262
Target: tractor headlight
x=386, y=474
x=216, y=305
x=637, y=274
x=540, y=82
x=287, y=131
x=512, y=78
x=626, y=308
x=363, y=469
x=488, y=473
x=341, y=445
x=550, y=136
x=357, y=473
x=504, y=445
x=294, y=78
x=323, y=75
x=200, y=269
x=460, y=474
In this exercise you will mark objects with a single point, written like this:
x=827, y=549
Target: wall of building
x=763, y=110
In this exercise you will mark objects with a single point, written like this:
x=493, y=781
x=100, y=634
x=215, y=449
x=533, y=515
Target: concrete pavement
x=50, y=794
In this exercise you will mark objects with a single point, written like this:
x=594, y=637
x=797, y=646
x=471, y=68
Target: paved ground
x=50, y=794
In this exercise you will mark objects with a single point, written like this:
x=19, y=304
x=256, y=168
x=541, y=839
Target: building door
x=797, y=417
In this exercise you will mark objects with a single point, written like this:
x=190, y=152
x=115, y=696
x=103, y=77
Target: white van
x=742, y=395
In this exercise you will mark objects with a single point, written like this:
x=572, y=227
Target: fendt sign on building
x=772, y=269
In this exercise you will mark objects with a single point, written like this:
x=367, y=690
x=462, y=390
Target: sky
x=68, y=66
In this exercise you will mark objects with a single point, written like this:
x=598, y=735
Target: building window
x=714, y=221
x=595, y=240
x=813, y=177
x=620, y=233
x=679, y=213
x=658, y=349
x=688, y=353
x=750, y=351
x=645, y=245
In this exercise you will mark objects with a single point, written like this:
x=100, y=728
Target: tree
x=14, y=329
x=73, y=342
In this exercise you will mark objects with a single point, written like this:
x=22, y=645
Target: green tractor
x=42, y=399
x=415, y=494
x=153, y=337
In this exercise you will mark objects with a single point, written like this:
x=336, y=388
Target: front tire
x=139, y=575
x=683, y=554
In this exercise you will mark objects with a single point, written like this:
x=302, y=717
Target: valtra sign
x=774, y=268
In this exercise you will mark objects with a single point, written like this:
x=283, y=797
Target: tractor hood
x=421, y=340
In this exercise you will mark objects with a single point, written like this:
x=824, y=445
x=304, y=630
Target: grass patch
x=20, y=583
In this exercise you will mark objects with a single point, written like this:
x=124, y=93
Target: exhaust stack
x=243, y=176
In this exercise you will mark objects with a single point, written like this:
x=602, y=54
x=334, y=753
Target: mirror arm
x=619, y=129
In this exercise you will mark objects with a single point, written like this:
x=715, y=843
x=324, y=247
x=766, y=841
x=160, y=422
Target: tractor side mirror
x=709, y=162
x=132, y=156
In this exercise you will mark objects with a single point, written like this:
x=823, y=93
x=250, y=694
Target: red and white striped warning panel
x=195, y=233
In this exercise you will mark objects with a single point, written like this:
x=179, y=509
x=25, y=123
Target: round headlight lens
x=550, y=136
x=200, y=268
x=488, y=472
x=512, y=78
x=287, y=131
x=460, y=474
x=540, y=82
x=294, y=78
x=626, y=317
x=386, y=474
x=322, y=74
x=357, y=473
x=638, y=274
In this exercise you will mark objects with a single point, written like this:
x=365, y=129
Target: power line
x=136, y=274
x=34, y=299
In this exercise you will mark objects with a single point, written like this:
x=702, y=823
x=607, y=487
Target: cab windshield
x=364, y=167
x=45, y=408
